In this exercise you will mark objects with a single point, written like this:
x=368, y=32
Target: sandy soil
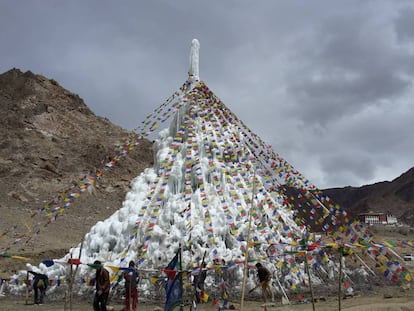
x=400, y=301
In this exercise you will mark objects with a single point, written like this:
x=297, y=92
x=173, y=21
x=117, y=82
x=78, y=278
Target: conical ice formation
x=198, y=194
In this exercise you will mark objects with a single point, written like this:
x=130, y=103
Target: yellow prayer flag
x=20, y=257
x=115, y=269
x=153, y=280
x=204, y=296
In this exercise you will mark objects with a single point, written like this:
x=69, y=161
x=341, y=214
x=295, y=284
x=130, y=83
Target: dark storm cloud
x=348, y=67
x=404, y=25
x=349, y=85
x=328, y=84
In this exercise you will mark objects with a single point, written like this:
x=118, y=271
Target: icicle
x=193, y=72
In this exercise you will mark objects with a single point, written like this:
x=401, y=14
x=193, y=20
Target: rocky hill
x=395, y=197
x=49, y=140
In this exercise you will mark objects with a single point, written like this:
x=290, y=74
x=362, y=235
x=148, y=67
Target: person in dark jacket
x=199, y=281
x=265, y=281
x=40, y=282
x=131, y=282
x=103, y=285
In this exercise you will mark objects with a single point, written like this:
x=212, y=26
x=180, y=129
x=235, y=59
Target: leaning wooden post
x=310, y=281
x=365, y=265
x=340, y=277
x=281, y=287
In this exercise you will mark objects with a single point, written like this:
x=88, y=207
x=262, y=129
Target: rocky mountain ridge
x=49, y=140
x=395, y=197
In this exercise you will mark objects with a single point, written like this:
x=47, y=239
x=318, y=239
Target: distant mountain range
x=49, y=139
x=395, y=197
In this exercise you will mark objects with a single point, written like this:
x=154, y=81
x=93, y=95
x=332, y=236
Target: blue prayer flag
x=173, y=287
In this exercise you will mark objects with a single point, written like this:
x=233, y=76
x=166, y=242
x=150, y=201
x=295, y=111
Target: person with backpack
x=40, y=283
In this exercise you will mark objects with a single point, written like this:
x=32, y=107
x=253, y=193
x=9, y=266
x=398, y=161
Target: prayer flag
x=48, y=262
x=204, y=296
x=173, y=287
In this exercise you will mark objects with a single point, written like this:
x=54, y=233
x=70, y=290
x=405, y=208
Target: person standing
x=199, y=281
x=103, y=286
x=40, y=282
x=131, y=282
x=224, y=284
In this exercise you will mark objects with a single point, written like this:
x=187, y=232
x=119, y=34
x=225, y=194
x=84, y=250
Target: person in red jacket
x=131, y=282
x=103, y=286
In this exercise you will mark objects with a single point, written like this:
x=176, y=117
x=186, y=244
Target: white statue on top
x=193, y=72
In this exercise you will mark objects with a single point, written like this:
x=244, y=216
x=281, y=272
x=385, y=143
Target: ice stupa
x=216, y=192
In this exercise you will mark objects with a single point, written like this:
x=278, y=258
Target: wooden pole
x=181, y=278
x=2, y=284
x=129, y=289
x=246, y=253
x=310, y=281
x=200, y=268
x=71, y=283
x=340, y=278
x=73, y=275
x=27, y=287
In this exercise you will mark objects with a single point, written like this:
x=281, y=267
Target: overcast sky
x=327, y=83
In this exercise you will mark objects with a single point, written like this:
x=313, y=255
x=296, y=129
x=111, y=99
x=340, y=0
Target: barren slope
x=49, y=139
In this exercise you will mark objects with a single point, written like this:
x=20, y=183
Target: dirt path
x=403, y=301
